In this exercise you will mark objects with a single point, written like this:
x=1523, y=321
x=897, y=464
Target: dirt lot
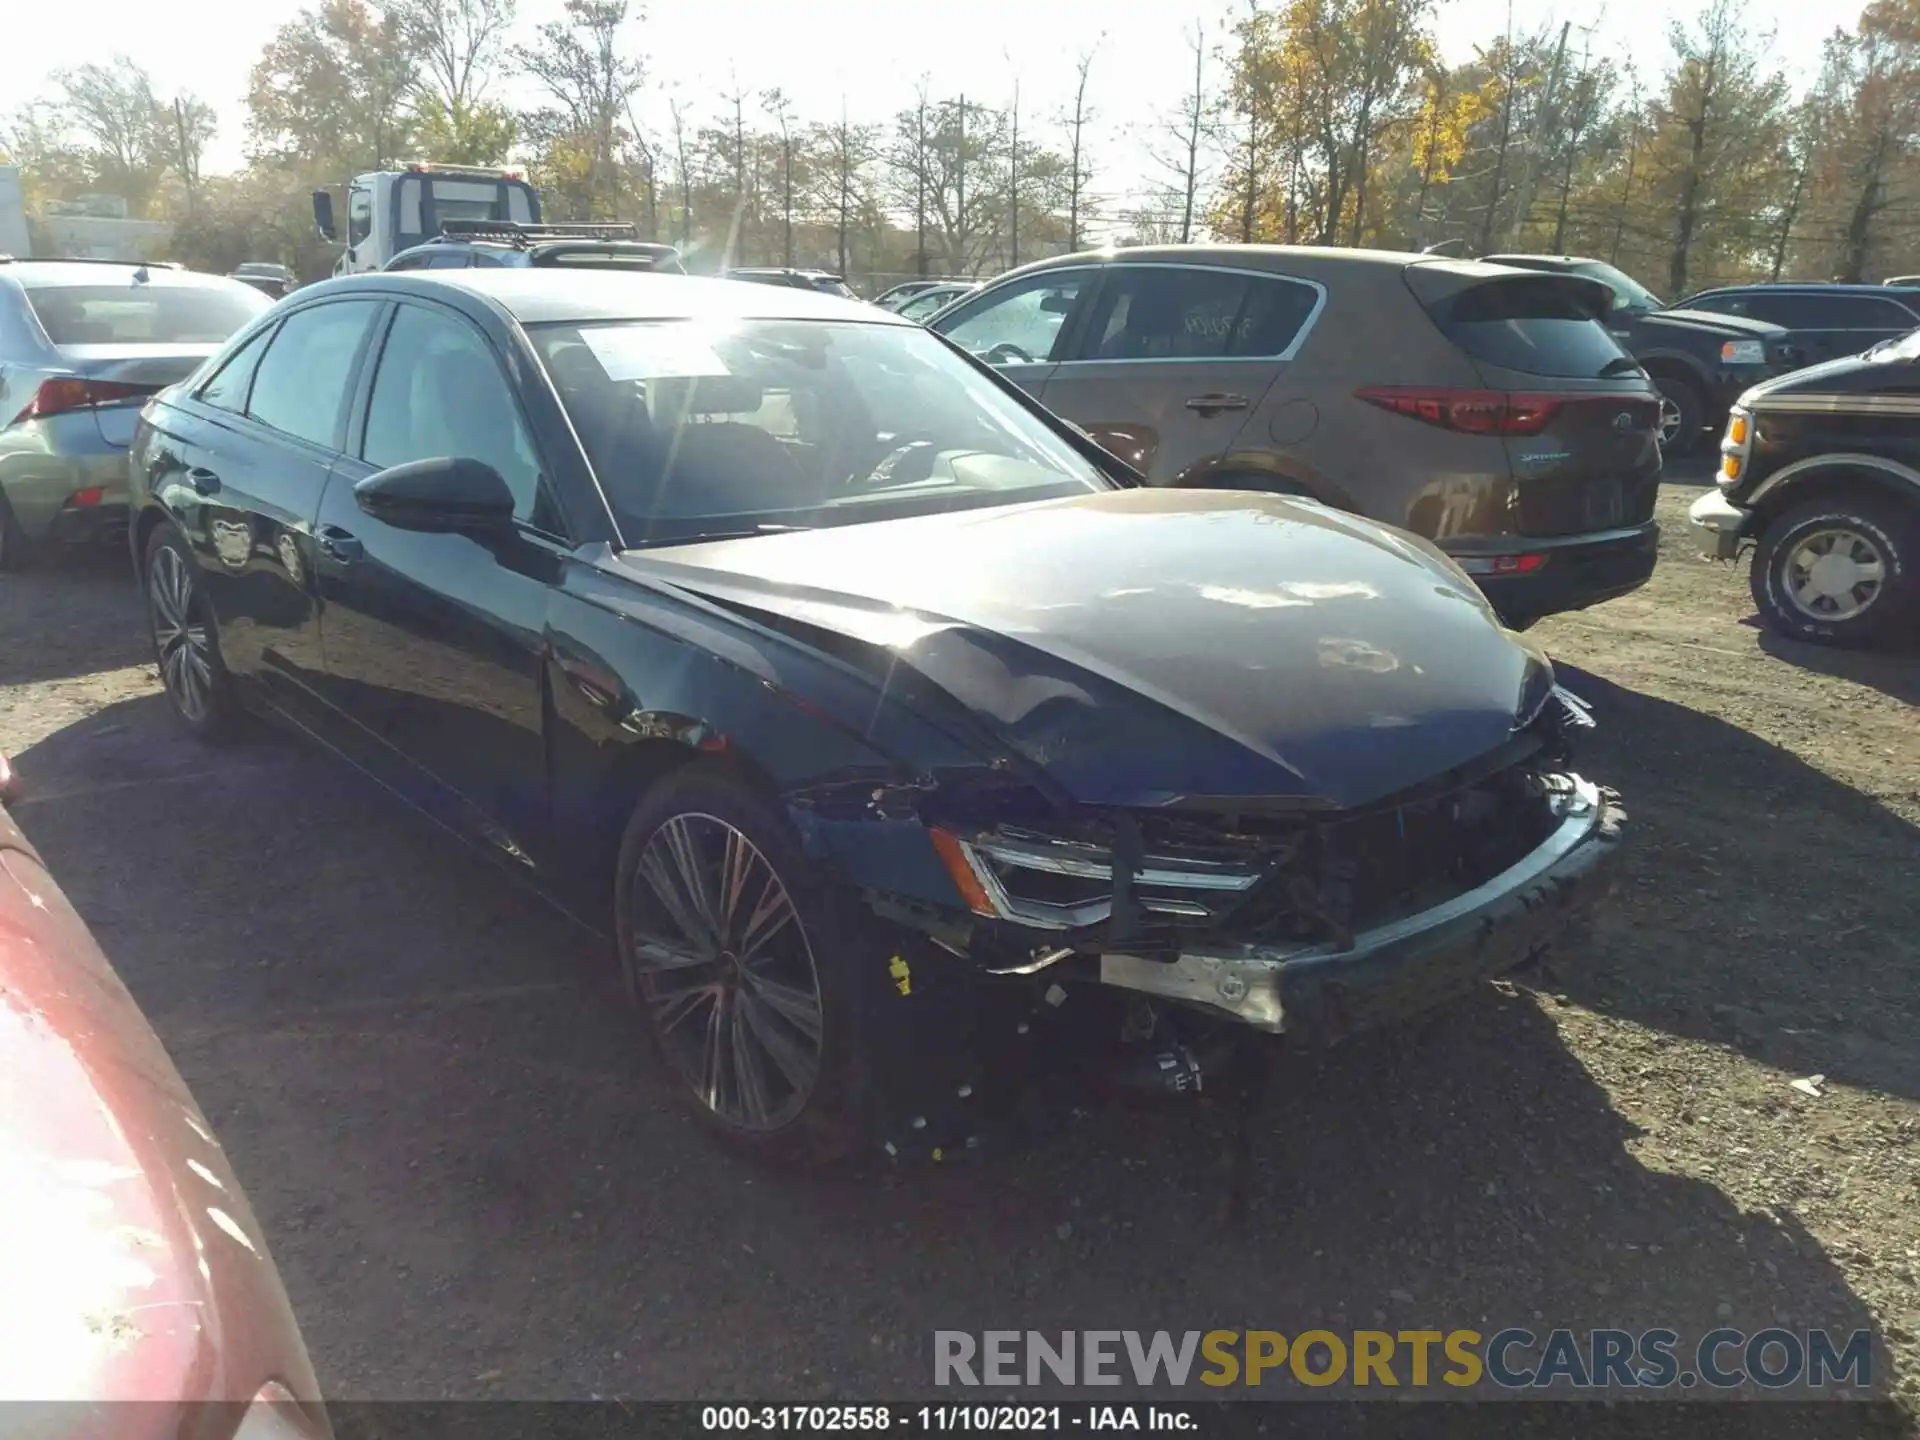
x=474, y=1186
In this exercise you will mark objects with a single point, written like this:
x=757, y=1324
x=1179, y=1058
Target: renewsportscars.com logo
x=1560, y=1361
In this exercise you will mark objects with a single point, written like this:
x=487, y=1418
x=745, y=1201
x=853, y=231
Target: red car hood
x=131, y=1265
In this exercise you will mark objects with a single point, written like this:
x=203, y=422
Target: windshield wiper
x=701, y=537
x=1620, y=365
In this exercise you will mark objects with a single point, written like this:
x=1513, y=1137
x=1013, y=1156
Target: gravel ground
x=475, y=1187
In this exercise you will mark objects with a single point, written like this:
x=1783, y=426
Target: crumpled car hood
x=1144, y=646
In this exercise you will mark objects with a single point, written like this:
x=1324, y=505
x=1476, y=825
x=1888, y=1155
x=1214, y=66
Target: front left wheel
x=1843, y=569
x=186, y=647
x=741, y=965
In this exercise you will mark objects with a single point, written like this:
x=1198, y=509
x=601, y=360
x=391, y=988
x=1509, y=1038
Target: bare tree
x=848, y=150
x=682, y=170
x=458, y=43
x=911, y=160
x=780, y=109
x=1013, y=173
x=114, y=109
x=187, y=127
x=1186, y=128
x=1077, y=121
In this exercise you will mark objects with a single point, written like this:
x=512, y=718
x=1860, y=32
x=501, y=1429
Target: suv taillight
x=67, y=393
x=1472, y=412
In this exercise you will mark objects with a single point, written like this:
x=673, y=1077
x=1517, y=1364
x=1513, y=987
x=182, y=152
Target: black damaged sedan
x=881, y=716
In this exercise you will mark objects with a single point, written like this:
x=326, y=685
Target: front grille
x=1206, y=876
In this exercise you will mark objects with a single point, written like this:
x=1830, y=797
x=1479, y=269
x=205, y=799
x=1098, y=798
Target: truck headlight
x=1743, y=352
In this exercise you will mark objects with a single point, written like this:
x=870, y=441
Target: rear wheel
x=740, y=963
x=1683, y=414
x=186, y=647
x=1839, y=570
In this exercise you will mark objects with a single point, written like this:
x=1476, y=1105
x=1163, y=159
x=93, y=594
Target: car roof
x=536, y=296
x=101, y=272
x=1314, y=262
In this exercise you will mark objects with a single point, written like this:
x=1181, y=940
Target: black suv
x=1823, y=322
x=1821, y=470
x=1700, y=361
x=465, y=243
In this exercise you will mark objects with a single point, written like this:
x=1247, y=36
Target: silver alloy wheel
x=1669, y=421
x=1833, y=573
x=180, y=639
x=726, y=968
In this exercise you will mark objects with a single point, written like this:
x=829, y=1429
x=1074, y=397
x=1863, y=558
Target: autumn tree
x=333, y=91
x=585, y=77
x=1713, y=153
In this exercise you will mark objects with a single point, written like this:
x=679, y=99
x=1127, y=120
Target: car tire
x=1683, y=414
x=1876, y=535
x=186, y=645
x=755, y=1019
x=16, y=550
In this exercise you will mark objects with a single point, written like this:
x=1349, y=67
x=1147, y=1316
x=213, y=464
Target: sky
x=870, y=56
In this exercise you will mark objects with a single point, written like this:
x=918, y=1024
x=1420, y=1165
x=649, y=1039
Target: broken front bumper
x=1406, y=966
x=1720, y=522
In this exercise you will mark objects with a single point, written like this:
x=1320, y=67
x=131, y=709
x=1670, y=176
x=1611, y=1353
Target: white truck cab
x=392, y=210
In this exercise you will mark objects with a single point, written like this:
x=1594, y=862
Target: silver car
x=83, y=343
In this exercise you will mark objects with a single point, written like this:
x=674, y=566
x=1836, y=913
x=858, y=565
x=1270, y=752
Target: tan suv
x=1483, y=407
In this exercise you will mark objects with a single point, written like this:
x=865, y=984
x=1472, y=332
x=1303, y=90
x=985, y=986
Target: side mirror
x=441, y=495
x=323, y=214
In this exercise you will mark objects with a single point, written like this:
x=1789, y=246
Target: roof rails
x=525, y=234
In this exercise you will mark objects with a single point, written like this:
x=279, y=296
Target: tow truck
x=393, y=210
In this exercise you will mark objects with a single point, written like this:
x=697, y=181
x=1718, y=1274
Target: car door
x=1024, y=325
x=433, y=642
x=253, y=447
x=1173, y=360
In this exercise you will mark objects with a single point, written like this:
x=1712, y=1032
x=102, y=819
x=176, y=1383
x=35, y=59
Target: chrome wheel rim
x=1834, y=573
x=725, y=969
x=180, y=637
x=1669, y=421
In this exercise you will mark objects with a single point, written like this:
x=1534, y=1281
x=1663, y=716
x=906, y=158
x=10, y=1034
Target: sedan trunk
x=142, y=369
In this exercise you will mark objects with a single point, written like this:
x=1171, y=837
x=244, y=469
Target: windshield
x=138, y=314
x=699, y=428
x=1628, y=293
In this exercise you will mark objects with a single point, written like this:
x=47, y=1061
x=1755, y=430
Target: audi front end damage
x=1186, y=768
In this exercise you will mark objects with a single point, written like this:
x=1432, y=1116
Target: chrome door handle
x=1214, y=404
x=338, y=545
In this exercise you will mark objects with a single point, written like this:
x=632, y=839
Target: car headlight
x=1743, y=352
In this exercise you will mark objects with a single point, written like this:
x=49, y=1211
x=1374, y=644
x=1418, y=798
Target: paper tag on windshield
x=652, y=352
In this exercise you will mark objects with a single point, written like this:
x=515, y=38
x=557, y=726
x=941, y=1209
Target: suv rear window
x=1536, y=325
x=143, y=314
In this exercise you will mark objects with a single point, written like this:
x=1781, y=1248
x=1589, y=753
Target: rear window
x=1535, y=326
x=143, y=314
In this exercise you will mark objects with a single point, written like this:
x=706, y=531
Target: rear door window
x=300, y=387
x=138, y=313
x=1195, y=313
x=1535, y=325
